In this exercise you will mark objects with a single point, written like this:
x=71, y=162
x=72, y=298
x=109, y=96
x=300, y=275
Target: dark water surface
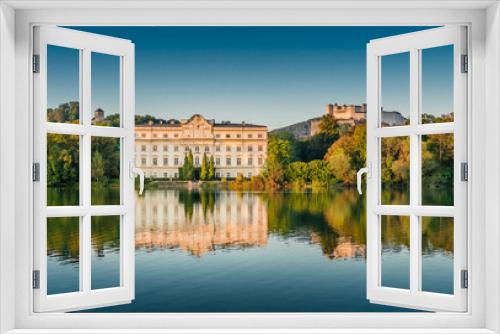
x=206, y=251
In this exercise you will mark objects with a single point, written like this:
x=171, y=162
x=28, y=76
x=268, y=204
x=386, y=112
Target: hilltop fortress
x=344, y=115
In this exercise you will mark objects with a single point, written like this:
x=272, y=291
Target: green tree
x=62, y=160
x=186, y=172
x=348, y=154
x=328, y=125
x=211, y=168
x=97, y=167
x=204, y=168
x=278, y=159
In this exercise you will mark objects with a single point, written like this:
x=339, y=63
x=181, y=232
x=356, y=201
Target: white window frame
x=85, y=44
x=16, y=21
x=413, y=44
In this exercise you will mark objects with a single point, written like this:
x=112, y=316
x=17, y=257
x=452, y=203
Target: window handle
x=136, y=171
x=364, y=170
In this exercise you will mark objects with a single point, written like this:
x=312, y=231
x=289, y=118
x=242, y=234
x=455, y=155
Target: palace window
x=228, y=148
x=260, y=148
x=143, y=161
x=155, y=161
x=155, y=135
x=176, y=135
x=238, y=148
x=165, y=148
x=176, y=148
x=238, y=135
x=207, y=149
x=250, y=148
x=165, y=161
x=186, y=148
x=250, y=136
x=250, y=162
x=176, y=161
x=143, y=135
x=217, y=161
x=228, y=135
x=228, y=161
x=259, y=135
x=165, y=135
x=197, y=149
x=143, y=148
x=238, y=161
x=260, y=161
x=217, y=148
x=155, y=148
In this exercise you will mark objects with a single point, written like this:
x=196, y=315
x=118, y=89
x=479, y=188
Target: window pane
x=63, y=251
x=105, y=252
x=437, y=84
x=437, y=254
x=105, y=171
x=395, y=89
x=63, y=84
x=63, y=169
x=395, y=170
x=437, y=169
x=395, y=257
x=105, y=89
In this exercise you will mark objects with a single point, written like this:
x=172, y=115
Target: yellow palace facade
x=237, y=148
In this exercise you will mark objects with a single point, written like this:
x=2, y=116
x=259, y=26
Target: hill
x=300, y=130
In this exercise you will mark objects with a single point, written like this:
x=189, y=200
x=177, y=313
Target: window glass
x=63, y=84
x=106, y=104
x=395, y=89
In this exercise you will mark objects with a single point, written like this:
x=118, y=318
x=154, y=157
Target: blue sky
x=266, y=75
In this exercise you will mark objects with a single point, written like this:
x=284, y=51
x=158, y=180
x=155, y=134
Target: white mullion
x=123, y=186
x=373, y=263
x=415, y=258
x=419, y=210
x=419, y=129
x=66, y=128
x=85, y=266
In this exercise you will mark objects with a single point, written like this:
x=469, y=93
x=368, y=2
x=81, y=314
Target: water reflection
x=206, y=251
x=200, y=222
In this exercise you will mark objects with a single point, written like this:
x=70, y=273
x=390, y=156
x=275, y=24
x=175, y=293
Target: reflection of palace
x=172, y=219
x=344, y=248
x=236, y=148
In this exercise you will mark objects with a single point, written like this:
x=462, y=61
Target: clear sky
x=266, y=75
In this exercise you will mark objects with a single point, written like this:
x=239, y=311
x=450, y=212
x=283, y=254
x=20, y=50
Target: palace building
x=237, y=148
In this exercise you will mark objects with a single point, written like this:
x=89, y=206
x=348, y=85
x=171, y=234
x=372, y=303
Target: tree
x=328, y=125
x=278, y=158
x=348, y=154
x=97, y=167
x=211, y=168
x=186, y=172
x=62, y=160
x=204, y=168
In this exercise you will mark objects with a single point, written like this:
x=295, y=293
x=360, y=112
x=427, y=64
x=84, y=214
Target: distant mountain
x=304, y=129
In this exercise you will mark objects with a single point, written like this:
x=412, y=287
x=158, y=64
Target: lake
x=223, y=251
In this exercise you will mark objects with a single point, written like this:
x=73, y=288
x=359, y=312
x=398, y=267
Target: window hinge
x=464, y=171
x=36, y=63
x=36, y=279
x=464, y=284
x=465, y=64
x=36, y=172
